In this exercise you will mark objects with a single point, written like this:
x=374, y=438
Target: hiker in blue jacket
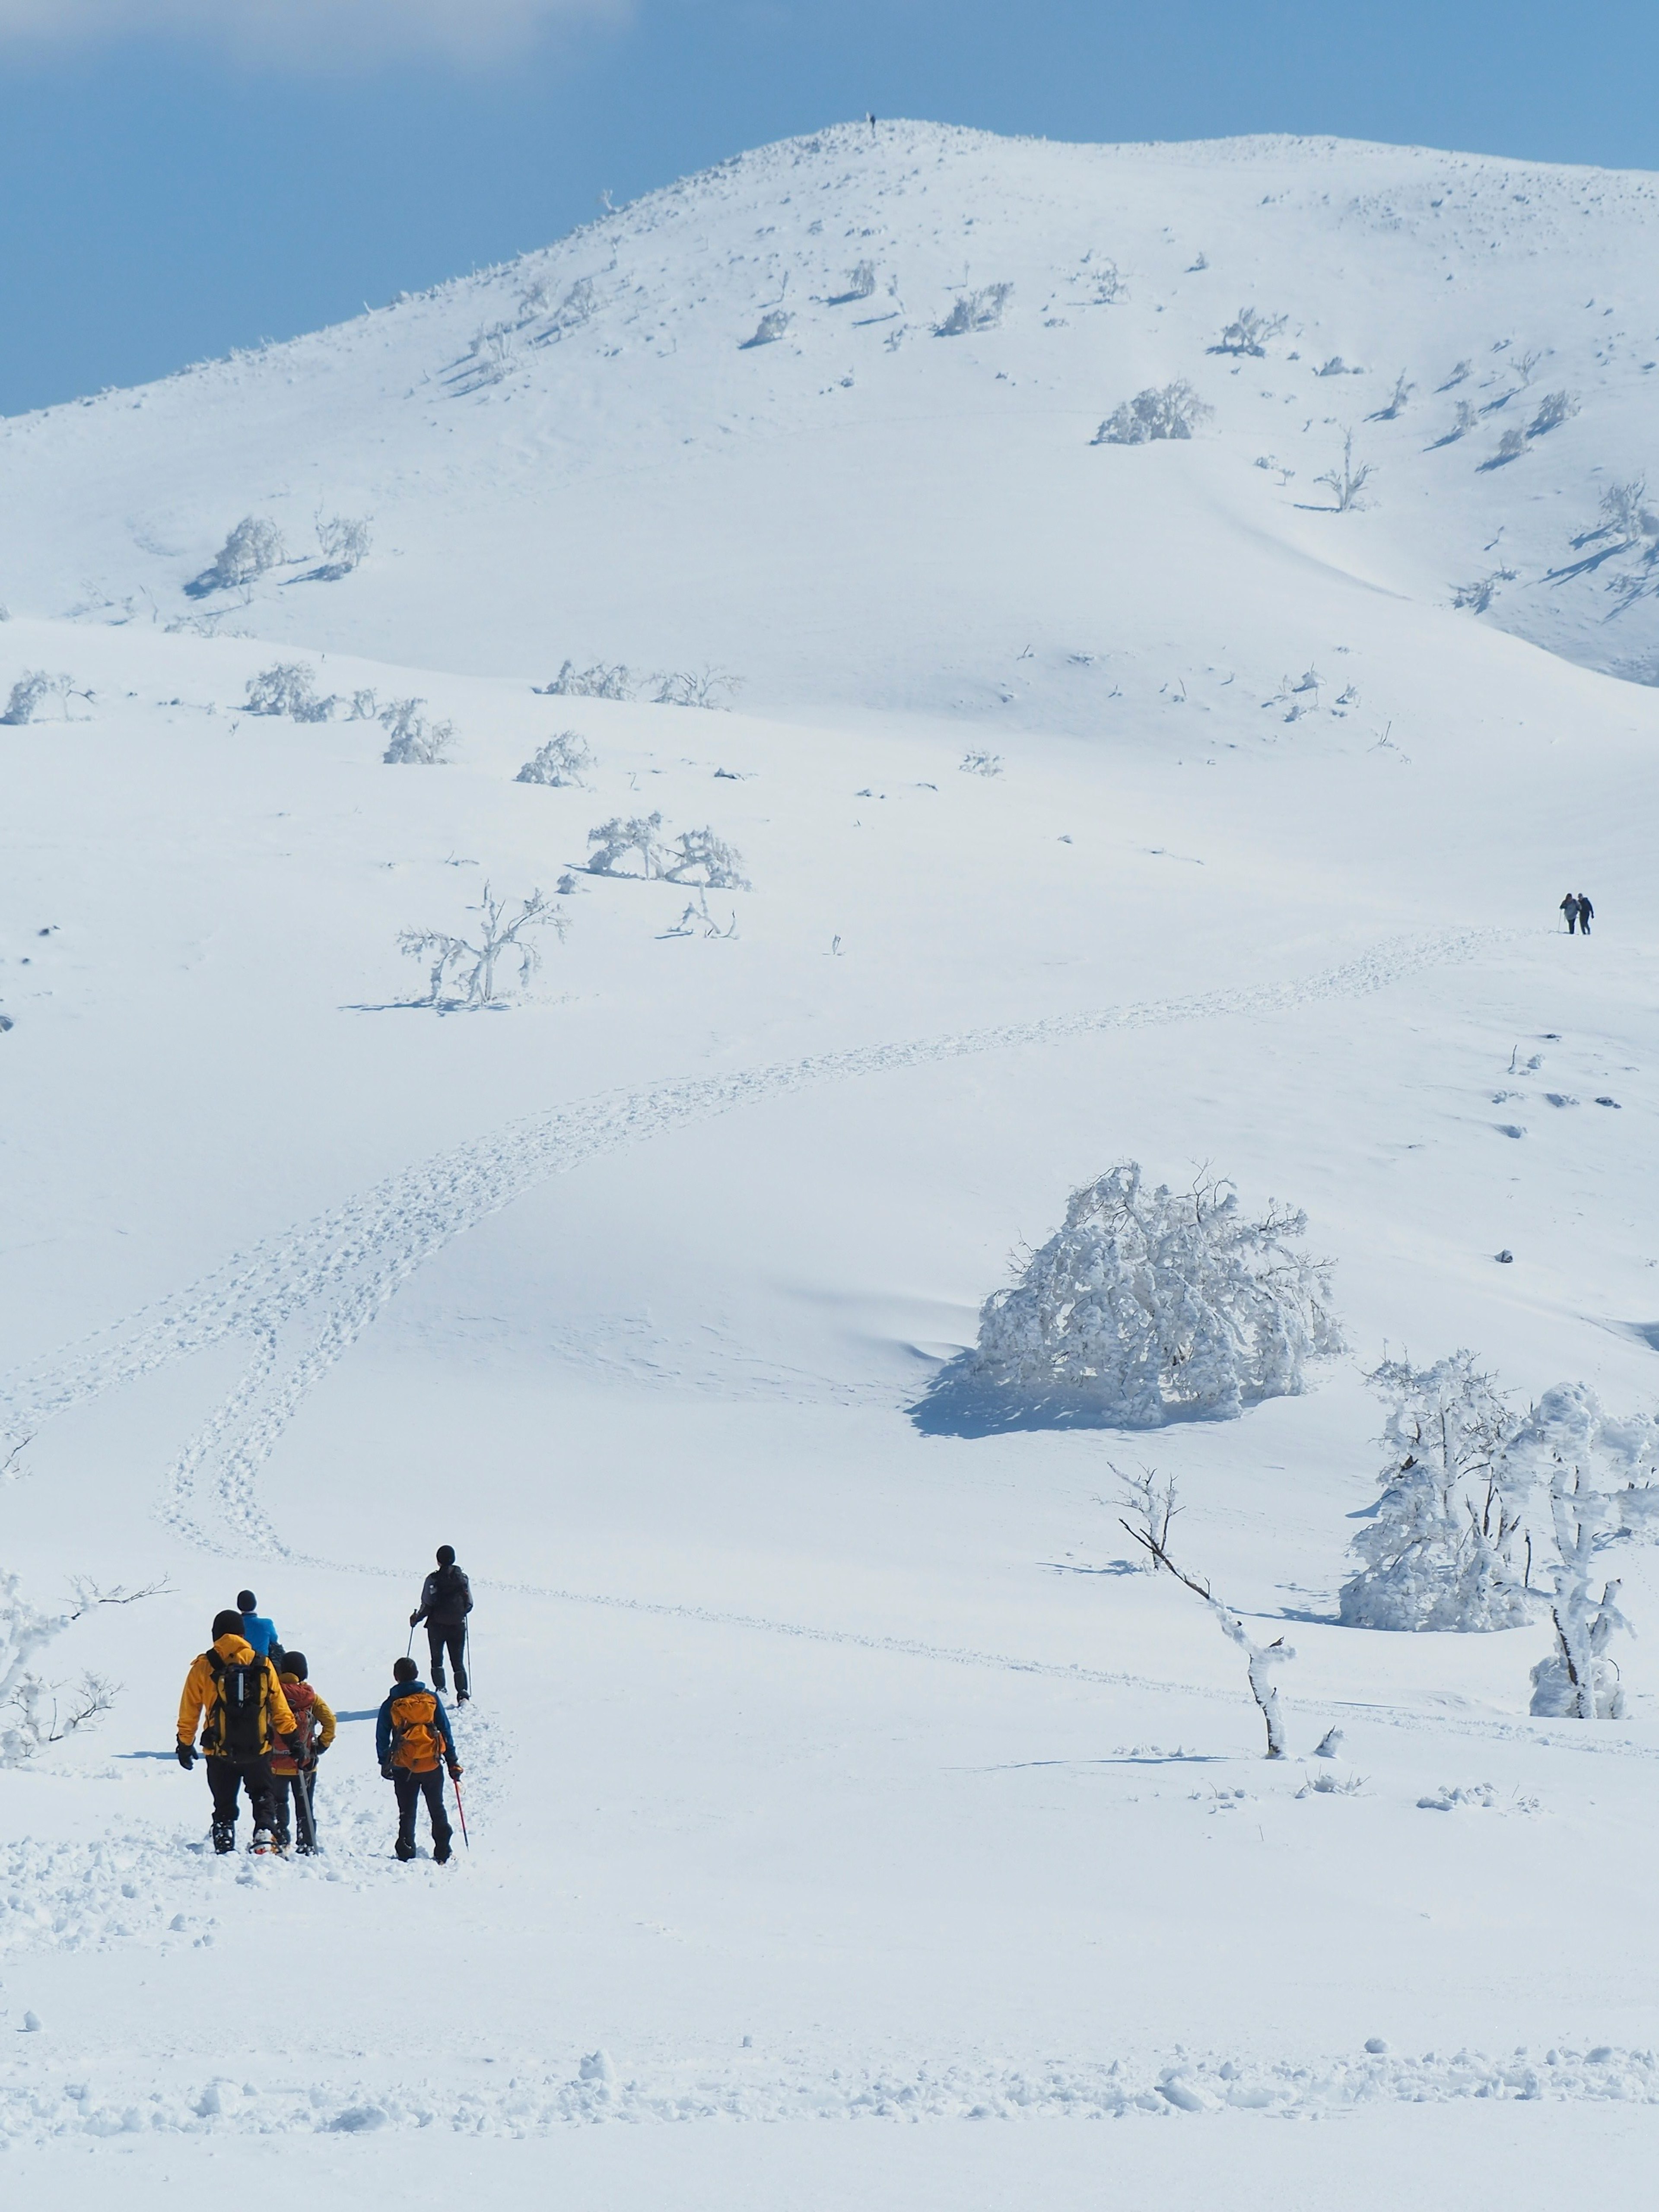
x=258, y=1628
x=411, y=1738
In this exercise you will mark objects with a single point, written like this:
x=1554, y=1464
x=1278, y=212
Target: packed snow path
x=302, y=1300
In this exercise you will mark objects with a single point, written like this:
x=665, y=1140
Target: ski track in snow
x=300, y=1300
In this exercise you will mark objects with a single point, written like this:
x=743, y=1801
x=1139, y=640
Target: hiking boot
x=438, y=1681
x=442, y=1855
x=403, y=1850
x=224, y=1835
x=463, y=1697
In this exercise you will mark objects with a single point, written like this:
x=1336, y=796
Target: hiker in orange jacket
x=316, y=1725
x=411, y=1736
x=238, y=1702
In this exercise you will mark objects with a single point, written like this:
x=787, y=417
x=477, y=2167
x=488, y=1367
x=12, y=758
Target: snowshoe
x=263, y=1844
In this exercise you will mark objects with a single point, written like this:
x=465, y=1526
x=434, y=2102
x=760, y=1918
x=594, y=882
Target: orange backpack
x=417, y=1743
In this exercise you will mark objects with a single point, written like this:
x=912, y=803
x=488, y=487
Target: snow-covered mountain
x=1083, y=801
x=723, y=426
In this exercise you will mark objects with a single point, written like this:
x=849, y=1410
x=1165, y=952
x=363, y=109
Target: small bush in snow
x=1175, y=411
x=1511, y=446
x=1554, y=409
x=1346, y=481
x=860, y=284
x=464, y=974
x=615, y=839
x=1438, y=1552
x=365, y=705
x=414, y=741
x=599, y=682
x=345, y=541
x=1249, y=332
x=769, y=329
x=31, y=1716
x=975, y=311
x=980, y=764
x=254, y=546
x=1460, y=375
x=1148, y=1304
x=288, y=688
x=701, y=857
x=1107, y=280
x=1390, y=409
x=29, y=693
x=696, y=686
x=1464, y=421
x=1626, y=516
x=1478, y=596
x=560, y=761
x=1600, y=1474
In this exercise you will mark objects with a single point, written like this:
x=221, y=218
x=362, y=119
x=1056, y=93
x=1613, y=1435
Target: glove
x=414, y=1620
x=187, y=1756
x=456, y=1771
x=298, y=1749
x=386, y=1774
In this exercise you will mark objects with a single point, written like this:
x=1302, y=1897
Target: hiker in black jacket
x=446, y=1600
x=1585, y=912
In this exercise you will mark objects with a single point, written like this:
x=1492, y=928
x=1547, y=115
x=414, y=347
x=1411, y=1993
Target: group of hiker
x=1579, y=912
x=249, y=1712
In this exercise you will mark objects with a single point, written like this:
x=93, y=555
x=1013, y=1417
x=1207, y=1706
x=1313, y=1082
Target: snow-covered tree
x=413, y=741
x=1249, y=332
x=1150, y=1304
x=30, y=692
x=1173, y=412
x=860, y=284
x=288, y=687
x=1390, y=410
x=465, y=973
x=1599, y=1474
x=696, y=687
x=1439, y=1552
x=769, y=329
x=613, y=840
x=974, y=311
x=34, y=1712
x=1511, y=446
x=1553, y=409
x=254, y=546
x=560, y=761
x=599, y=681
x=345, y=540
x=979, y=762
x=700, y=857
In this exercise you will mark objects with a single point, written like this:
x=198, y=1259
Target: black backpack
x=242, y=1689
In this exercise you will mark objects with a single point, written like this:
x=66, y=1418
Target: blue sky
x=181, y=176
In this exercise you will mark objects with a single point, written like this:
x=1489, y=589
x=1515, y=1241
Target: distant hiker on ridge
x=258, y=1628
x=236, y=1697
x=446, y=1600
x=1569, y=908
x=1585, y=912
x=412, y=1735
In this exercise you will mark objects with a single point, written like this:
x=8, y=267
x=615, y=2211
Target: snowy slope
x=829, y=1765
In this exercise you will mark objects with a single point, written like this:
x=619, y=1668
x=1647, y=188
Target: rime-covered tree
x=1152, y=1303
x=252, y=547
x=699, y=856
x=614, y=840
x=464, y=972
x=288, y=687
x=1174, y=410
x=1439, y=1551
x=561, y=760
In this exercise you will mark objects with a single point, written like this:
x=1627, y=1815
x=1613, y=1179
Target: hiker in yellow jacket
x=235, y=1698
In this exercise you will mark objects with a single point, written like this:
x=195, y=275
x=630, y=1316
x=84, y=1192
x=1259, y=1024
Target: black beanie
x=294, y=1662
x=246, y=1600
x=227, y=1624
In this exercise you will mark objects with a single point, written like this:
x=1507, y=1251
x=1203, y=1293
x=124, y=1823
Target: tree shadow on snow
x=959, y=1401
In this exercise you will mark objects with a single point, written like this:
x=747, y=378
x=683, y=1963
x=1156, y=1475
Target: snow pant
x=450, y=1635
x=410, y=1789
x=225, y=1779
x=1583, y=926
x=1572, y=925
x=288, y=1786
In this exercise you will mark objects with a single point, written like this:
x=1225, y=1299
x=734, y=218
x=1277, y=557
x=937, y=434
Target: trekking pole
x=454, y=1783
x=466, y=1656
x=307, y=1818
x=410, y=1646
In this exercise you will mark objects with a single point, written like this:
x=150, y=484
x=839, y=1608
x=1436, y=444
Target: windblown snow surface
x=830, y=1767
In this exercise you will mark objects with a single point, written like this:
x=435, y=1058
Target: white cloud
x=310, y=33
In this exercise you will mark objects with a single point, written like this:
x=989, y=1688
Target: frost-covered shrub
x=700, y=857
x=599, y=681
x=1439, y=1552
x=975, y=311
x=1554, y=409
x=413, y=741
x=31, y=1717
x=465, y=973
x=1150, y=1304
x=560, y=761
x=769, y=329
x=1249, y=331
x=288, y=687
x=1391, y=407
x=1511, y=446
x=980, y=764
x=1478, y=595
x=614, y=840
x=29, y=694
x=1348, y=479
x=1599, y=1473
x=860, y=282
x=254, y=546
x=345, y=540
x=1626, y=516
x=696, y=687
x=1175, y=411
x=1106, y=278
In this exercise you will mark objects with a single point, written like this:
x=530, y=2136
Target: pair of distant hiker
x=261, y=1731
x=1578, y=910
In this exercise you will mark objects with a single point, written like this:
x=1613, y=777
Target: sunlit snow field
x=831, y=1766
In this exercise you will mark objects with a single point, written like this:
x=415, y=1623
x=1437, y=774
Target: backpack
x=449, y=1585
x=416, y=1742
x=240, y=1715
